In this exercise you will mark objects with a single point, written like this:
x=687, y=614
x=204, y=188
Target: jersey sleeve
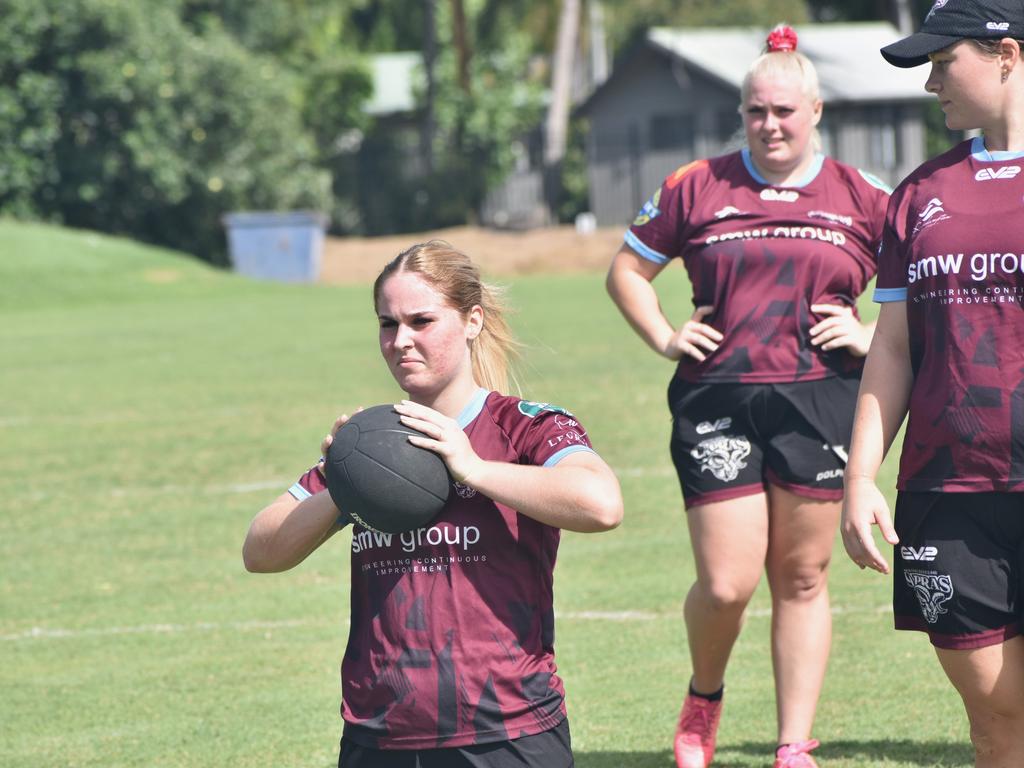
x=658, y=231
x=309, y=484
x=549, y=434
x=891, y=284
x=876, y=206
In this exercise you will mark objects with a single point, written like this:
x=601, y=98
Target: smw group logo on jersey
x=649, y=211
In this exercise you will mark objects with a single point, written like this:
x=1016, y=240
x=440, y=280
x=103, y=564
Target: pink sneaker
x=695, y=734
x=796, y=755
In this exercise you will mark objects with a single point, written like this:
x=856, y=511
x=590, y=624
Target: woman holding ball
x=450, y=657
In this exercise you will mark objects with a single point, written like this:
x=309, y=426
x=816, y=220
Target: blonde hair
x=453, y=274
x=788, y=65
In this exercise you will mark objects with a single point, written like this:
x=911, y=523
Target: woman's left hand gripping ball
x=443, y=436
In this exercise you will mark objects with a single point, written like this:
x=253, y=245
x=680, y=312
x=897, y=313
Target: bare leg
x=989, y=680
x=729, y=540
x=801, y=535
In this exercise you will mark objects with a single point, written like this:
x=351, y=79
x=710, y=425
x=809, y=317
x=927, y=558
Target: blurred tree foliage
x=115, y=116
x=152, y=118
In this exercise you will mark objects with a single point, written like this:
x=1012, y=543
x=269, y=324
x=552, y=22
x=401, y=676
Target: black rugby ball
x=380, y=479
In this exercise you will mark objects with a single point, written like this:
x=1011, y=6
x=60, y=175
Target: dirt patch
x=499, y=253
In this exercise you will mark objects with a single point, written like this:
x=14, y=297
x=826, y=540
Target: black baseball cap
x=951, y=20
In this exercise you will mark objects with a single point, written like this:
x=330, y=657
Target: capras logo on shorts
x=926, y=554
x=713, y=426
x=723, y=456
x=780, y=195
x=990, y=174
x=932, y=590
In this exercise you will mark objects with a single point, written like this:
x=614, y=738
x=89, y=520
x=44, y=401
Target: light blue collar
x=982, y=155
x=812, y=172
x=473, y=407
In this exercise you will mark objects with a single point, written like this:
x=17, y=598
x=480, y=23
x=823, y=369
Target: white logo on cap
x=938, y=4
x=998, y=26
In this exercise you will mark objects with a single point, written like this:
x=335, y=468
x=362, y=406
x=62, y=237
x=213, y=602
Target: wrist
x=473, y=475
x=854, y=478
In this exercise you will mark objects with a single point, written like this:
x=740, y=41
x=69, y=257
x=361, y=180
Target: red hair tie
x=781, y=39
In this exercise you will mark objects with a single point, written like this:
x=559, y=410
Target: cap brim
x=913, y=51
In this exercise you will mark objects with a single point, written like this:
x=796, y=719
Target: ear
x=1009, y=53
x=816, y=107
x=474, y=322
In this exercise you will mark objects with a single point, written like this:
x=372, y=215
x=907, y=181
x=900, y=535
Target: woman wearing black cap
x=949, y=349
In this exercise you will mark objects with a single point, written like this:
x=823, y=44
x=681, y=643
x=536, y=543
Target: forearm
x=881, y=405
x=578, y=494
x=637, y=300
x=284, y=533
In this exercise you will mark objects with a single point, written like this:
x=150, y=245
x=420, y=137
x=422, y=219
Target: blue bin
x=283, y=246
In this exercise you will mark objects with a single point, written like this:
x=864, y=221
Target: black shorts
x=959, y=566
x=551, y=749
x=732, y=440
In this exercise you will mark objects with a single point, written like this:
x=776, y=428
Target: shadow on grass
x=934, y=754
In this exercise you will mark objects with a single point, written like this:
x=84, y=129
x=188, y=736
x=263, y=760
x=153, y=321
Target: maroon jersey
x=452, y=634
x=953, y=251
x=761, y=255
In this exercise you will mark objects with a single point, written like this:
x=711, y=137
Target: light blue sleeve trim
x=874, y=181
x=885, y=295
x=473, y=407
x=299, y=492
x=646, y=251
x=557, y=457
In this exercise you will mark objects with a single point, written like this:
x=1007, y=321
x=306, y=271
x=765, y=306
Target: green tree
x=127, y=122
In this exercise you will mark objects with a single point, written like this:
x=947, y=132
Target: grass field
x=150, y=406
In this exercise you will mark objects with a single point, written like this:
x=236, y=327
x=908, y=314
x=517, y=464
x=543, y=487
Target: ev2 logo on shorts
x=926, y=554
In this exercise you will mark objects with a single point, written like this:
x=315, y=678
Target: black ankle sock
x=716, y=696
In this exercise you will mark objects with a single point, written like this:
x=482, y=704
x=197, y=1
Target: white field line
x=175, y=488
x=283, y=485
x=43, y=633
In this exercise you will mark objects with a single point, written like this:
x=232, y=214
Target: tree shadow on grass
x=929, y=754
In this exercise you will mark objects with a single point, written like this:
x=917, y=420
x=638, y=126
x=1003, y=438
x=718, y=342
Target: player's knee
x=997, y=730
x=799, y=581
x=724, y=595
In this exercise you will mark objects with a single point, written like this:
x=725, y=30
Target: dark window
x=884, y=149
x=829, y=138
x=727, y=125
x=672, y=131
